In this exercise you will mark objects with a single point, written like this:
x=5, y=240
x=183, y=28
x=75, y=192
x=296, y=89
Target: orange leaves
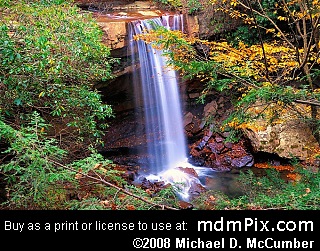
x=291, y=175
x=277, y=167
x=130, y=207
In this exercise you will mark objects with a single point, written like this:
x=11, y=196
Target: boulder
x=288, y=136
x=292, y=138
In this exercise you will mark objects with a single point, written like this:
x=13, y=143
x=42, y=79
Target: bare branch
x=308, y=102
x=271, y=21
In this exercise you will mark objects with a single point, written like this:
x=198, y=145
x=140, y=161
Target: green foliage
x=242, y=34
x=111, y=199
x=50, y=56
x=211, y=200
x=248, y=33
x=169, y=3
x=166, y=196
x=37, y=179
x=29, y=171
x=192, y=6
x=272, y=192
x=271, y=184
x=86, y=204
x=87, y=164
x=268, y=191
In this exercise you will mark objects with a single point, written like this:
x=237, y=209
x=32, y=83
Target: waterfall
x=160, y=95
x=161, y=98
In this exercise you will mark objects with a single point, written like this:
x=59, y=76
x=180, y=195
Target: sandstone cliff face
x=113, y=16
x=115, y=24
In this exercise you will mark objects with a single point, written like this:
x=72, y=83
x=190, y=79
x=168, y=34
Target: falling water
x=161, y=101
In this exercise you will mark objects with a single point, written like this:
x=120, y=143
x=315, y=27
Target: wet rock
x=213, y=153
x=216, y=147
x=210, y=109
x=188, y=170
x=221, y=168
x=196, y=189
x=228, y=145
x=243, y=161
x=191, y=124
x=188, y=118
x=196, y=161
x=219, y=139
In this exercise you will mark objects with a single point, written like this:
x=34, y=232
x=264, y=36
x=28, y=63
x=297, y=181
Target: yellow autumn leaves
x=281, y=59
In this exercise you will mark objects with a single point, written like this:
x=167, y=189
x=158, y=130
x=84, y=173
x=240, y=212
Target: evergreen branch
x=120, y=189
